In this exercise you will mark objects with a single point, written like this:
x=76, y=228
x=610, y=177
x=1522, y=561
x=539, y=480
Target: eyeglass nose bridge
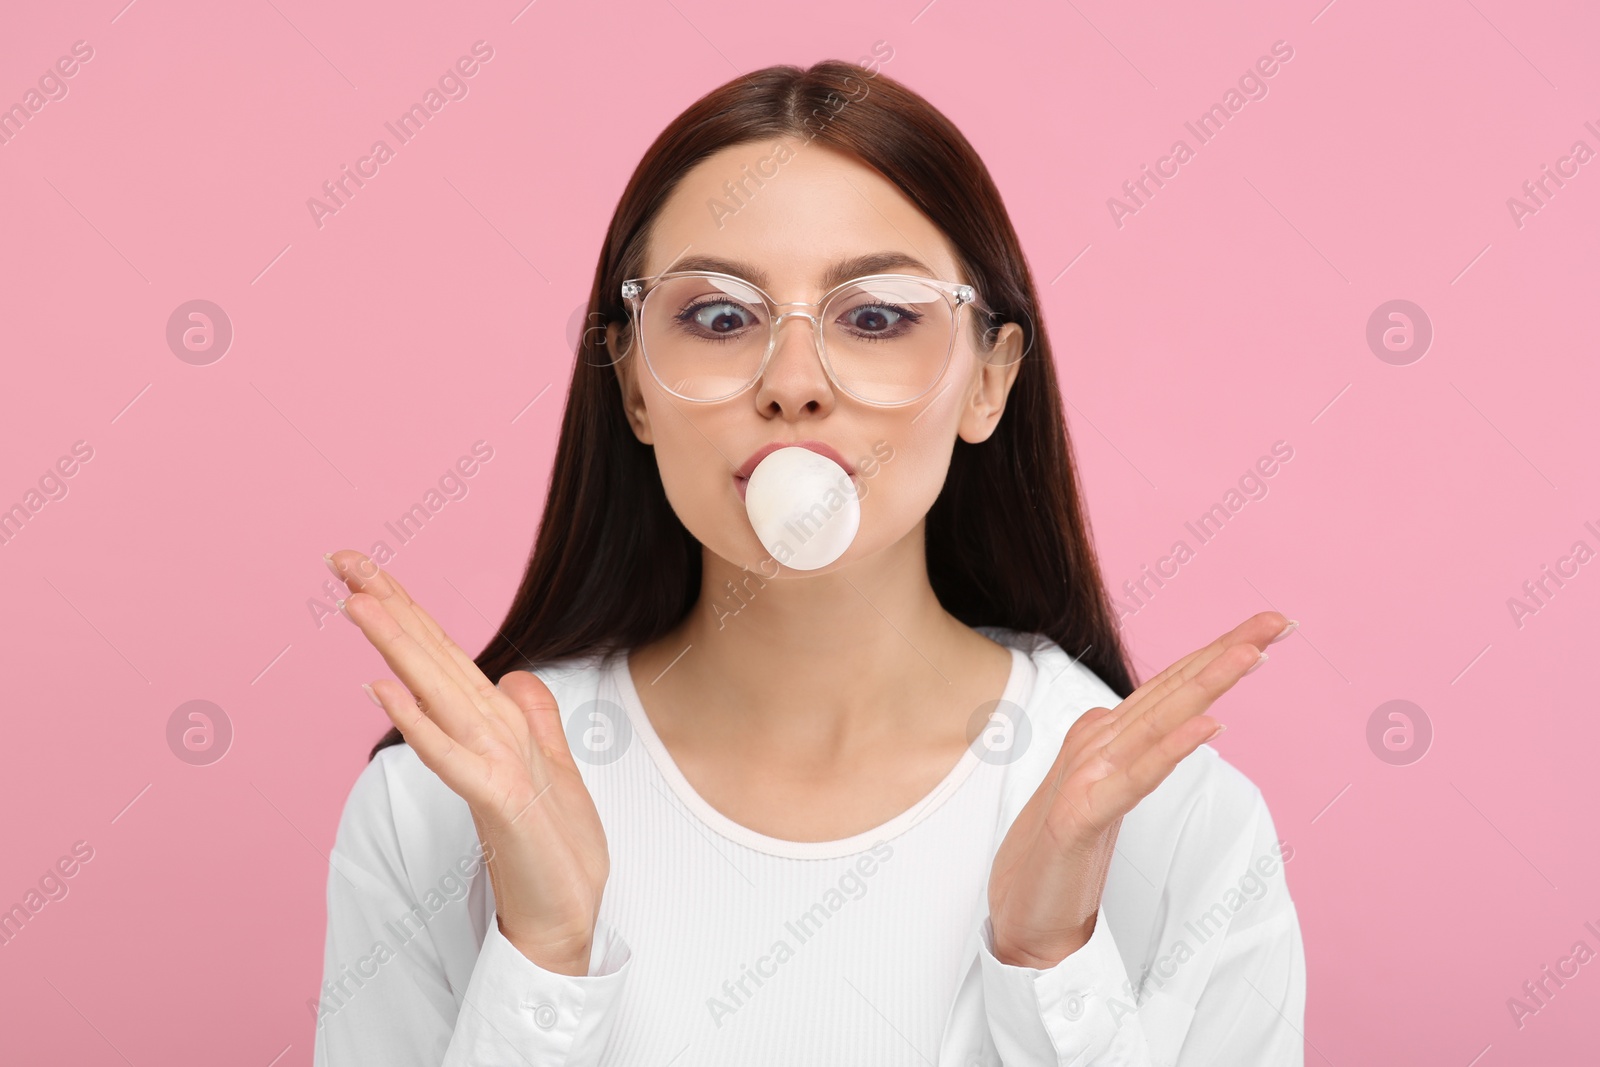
x=816, y=337
x=795, y=314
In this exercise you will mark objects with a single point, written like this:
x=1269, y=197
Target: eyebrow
x=838, y=271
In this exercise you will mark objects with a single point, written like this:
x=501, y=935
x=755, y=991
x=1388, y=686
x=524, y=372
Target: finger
x=1189, y=699
x=1085, y=738
x=368, y=576
x=1121, y=792
x=1152, y=768
x=363, y=575
x=454, y=709
x=1260, y=630
x=528, y=691
x=459, y=768
x=367, y=572
x=458, y=655
x=491, y=702
x=1092, y=747
x=1086, y=735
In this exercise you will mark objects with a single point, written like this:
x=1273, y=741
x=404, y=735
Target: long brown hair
x=1008, y=542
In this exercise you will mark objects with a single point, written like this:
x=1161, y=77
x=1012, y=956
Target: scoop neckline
x=740, y=834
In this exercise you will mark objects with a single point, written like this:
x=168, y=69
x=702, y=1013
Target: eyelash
x=908, y=315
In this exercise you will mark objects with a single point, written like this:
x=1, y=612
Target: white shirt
x=719, y=945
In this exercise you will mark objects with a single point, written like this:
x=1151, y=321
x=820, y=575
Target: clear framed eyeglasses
x=884, y=339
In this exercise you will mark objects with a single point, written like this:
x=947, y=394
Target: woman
x=906, y=807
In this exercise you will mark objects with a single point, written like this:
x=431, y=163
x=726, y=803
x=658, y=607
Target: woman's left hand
x=1050, y=871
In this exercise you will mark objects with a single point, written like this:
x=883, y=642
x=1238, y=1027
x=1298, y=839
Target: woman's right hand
x=504, y=751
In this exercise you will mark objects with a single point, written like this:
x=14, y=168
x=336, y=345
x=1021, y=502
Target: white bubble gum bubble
x=804, y=508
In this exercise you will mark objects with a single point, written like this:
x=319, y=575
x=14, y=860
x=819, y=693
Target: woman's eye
x=874, y=318
x=721, y=317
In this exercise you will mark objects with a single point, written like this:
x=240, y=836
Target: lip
x=742, y=476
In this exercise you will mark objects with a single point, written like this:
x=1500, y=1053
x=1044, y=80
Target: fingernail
x=346, y=613
x=1216, y=733
x=327, y=557
x=371, y=695
x=1259, y=659
x=1285, y=632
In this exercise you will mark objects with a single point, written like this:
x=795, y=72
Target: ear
x=628, y=382
x=993, y=376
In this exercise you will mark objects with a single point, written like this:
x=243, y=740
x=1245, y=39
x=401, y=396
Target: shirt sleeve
x=517, y=1014
x=1064, y=1014
x=387, y=998
x=1225, y=982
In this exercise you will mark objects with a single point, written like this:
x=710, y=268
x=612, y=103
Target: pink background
x=1228, y=313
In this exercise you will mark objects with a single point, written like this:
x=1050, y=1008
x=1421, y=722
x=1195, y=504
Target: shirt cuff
x=1067, y=1014
x=516, y=1013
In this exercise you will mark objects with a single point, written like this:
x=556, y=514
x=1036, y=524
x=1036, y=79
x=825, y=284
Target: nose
x=795, y=380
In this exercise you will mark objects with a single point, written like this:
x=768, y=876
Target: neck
x=799, y=653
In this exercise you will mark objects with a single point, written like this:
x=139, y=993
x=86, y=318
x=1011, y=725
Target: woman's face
x=822, y=206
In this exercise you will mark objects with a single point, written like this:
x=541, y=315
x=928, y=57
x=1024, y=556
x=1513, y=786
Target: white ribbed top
x=720, y=945
x=743, y=944
x=619, y=684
